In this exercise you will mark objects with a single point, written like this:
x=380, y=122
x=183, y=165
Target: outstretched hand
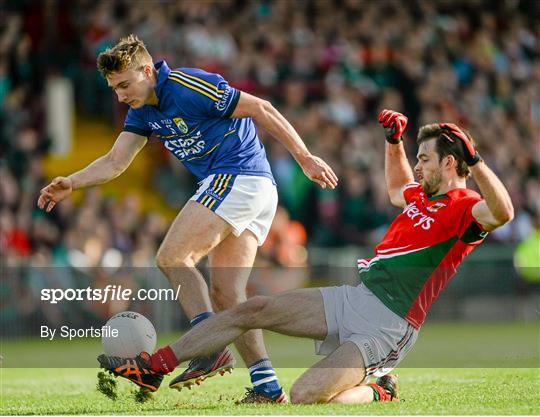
x=56, y=191
x=319, y=171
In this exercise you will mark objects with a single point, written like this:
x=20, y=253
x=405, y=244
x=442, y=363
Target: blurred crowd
x=328, y=66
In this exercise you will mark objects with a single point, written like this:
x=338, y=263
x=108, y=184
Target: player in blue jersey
x=211, y=128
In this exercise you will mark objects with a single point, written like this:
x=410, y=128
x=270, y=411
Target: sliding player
x=368, y=329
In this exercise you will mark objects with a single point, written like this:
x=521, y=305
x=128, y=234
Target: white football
x=135, y=335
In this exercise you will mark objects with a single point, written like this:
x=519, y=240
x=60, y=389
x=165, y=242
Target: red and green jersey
x=421, y=250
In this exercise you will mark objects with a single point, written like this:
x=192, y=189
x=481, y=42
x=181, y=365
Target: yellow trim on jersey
x=225, y=185
x=202, y=156
x=204, y=199
x=194, y=88
x=211, y=91
x=199, y=80
x=229, y=133
x=212, y=204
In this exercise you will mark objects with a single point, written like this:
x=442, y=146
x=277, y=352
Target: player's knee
x=306, y=394
x=166, y=259
x=250, y=312
x=225, y=298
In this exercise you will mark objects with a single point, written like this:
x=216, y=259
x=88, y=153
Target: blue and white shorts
x=355, y=314
x=246, y=202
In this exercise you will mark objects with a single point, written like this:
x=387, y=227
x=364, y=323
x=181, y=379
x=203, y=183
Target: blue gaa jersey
x=192, y=120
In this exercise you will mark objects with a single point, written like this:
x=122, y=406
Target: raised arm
x=397, y=170
x=102, y=170
x=496, y=209
x=266, y=116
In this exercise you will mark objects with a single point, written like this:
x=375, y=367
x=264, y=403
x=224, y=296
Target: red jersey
x=421, y=250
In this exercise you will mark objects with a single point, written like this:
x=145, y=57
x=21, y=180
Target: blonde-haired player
x=211, y=128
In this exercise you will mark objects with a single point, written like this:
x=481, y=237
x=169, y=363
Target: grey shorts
x=355, y=314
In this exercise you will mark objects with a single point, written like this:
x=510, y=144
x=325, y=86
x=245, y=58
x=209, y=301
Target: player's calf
x=255, y=313
x=306, y=395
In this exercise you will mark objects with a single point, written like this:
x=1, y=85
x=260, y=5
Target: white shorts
x=243, y=201
x=355, y=314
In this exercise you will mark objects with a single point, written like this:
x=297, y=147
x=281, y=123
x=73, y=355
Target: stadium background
x=329, y=67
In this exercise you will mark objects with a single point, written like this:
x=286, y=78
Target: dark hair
x=443, y=147
x=129, y=53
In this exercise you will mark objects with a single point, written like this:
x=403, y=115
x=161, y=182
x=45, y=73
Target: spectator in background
x=323, y=62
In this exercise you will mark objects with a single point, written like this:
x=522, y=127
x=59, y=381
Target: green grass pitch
x=513, y=388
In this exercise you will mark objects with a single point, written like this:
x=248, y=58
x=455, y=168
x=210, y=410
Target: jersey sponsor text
x=414, y=213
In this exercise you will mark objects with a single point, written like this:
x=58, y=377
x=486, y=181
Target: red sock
x=164, y=360
x=379, y=393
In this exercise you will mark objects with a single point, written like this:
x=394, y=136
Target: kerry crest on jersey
x=180, y=124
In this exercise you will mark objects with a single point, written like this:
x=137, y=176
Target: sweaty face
x=428, y=169
x=132, y=87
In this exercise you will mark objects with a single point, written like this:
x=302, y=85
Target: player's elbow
x=395, y=202
x=505, y=212
x=506, y=215
x=262, y=109
x=500, y=219
x=265, y=106
x=396, y=198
